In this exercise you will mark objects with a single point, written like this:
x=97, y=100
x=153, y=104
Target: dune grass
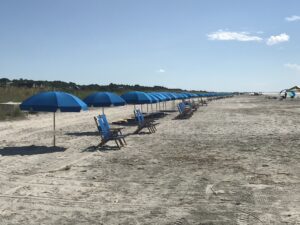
x=11, y=113
x=19, y=94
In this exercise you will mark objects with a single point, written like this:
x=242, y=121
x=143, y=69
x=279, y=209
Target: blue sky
x=224, y=45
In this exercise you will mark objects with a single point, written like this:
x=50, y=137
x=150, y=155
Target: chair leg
x=124, y=141
x=139, y=128
x=101, y=143
x=120, y=140
x=153, y=129
x=117, y=143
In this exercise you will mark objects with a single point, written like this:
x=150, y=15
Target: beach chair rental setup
x=144, y=123
x=203, y=102
x=194, y=105
x=185, y=111
x=107, y=133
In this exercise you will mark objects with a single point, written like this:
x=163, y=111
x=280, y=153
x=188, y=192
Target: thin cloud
x=293, y=66
x=273, y=40
x=232, y=36
x=221, y=35
x=161, y=71
x=292, y=18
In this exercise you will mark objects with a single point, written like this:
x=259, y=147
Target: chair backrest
x=141, y=115
x=97, y=124
x=181, y=107
x=104, y=130
x=138, y=116
x=188, y=104
x=103, y=116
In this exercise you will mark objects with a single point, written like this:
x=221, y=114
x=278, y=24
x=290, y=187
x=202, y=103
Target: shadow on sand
x=29, y=150
x=128, y=123
x=104, y=148
x=139, y=133
x=88, y=133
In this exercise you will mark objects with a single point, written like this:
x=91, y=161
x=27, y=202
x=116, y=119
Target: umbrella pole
x=147, y=107
x=141, y=107
x=103, y=110
x=54, y=129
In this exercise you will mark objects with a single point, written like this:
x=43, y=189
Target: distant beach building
x=293, y=92
x=296, y=90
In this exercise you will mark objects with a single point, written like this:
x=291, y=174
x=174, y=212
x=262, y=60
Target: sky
x=214, y=45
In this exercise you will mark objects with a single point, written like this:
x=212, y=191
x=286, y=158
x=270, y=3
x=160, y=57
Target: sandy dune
x=234, y=162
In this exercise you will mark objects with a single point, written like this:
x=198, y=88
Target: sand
x=235, y=161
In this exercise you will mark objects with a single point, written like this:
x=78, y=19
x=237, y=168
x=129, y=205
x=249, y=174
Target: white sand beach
x=235, y=161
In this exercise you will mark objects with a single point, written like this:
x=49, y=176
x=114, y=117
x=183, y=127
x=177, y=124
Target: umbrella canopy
x=154, y=99
x=167, y=97
x=160, y=97
x=188, y=94
x=170, y=95
x=184, y=95
x=104, y=99
x=136, y=98
x=51, y=102
x=201, y=95
x=175, y=95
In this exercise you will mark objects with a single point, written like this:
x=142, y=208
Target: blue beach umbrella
x=177, y=95
x=167, y=97
x=189, y=95
x=201, y=95
x=184, y=95
x=172, y=97
x=51, y=102
x=194, y=95
x=136, y=98
x=154, y=99
x=160, y=96
x=104, y=99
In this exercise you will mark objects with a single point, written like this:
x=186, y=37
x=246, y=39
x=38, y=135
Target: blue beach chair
x=143, y=123
x=185, y=111
x=107, y=134
x=117, y=130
